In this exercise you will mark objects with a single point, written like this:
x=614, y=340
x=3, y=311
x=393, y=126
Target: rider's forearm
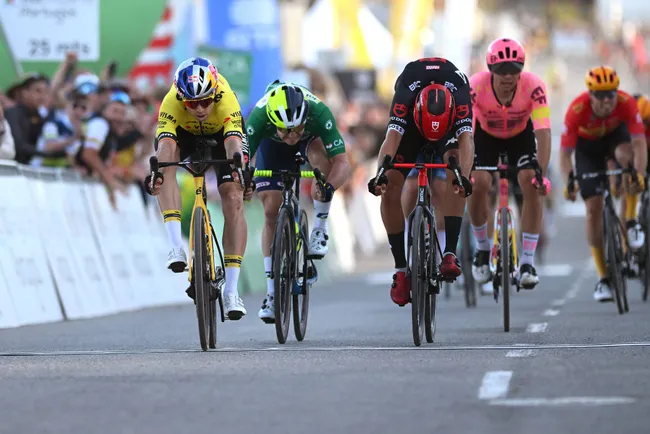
x=232, y=144
x=389, y=146
x=566, y=163
x=466, y=153
x=543, y=148
x=340, y=172
x=640, y=154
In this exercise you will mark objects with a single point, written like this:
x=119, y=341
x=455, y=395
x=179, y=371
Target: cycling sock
x=630, y=206
x=270, y=288
x=529, y=245
x=442, y=239
x=396, y=242
x=172, y=219
x=452, y=232
x=599, y=259
x=233, y=267
x=481, y=235
x=321, y=210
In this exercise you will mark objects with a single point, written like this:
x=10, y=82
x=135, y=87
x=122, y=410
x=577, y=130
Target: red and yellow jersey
x=643, y=103
x=580, y=120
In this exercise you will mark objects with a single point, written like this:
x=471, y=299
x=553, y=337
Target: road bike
x=643, y=256
x=423, y=249
x=504, y=256
x=617, y=252
x=293, y=270
x=206, y=279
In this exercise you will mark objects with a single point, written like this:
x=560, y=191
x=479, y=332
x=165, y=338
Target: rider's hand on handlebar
x=377, y=186
x=571, y=193
x=463, y=190
x=155, y=189
x=545, y=188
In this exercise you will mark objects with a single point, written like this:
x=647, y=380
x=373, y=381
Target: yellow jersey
x=225, y=117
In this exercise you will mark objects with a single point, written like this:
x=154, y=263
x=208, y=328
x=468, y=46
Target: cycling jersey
x=529, y=102
x=419, y=74
x=580, y=120
x=225, y=116
x=320, y=123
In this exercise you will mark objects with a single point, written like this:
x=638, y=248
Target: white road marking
x=558, y=303
x=568, y=400
x=520, y=353
x=551, y=312
x=325, y=349
x=539, y=327
x=577, y=284
x=495, y=385
x=384, y=278
x=554, y=270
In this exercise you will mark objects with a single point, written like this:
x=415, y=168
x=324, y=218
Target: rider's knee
x=232, y=198
x=482, y=184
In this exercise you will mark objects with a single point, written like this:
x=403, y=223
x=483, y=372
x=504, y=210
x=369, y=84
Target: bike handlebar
x=155, y=165
x=387, y=165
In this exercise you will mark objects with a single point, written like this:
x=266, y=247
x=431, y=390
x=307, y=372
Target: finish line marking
x=563, y=401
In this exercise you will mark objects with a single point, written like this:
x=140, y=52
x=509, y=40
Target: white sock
x=232, y=279
x=442, y=239
x=270, y=287
x=529, y=245
x=174, y=233
x=406, y=233
x=482, y=239
x=321, y=210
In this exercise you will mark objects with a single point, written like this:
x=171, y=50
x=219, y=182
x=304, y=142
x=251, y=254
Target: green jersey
x=320, y=123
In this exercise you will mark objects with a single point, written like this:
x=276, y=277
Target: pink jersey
x=505, y=122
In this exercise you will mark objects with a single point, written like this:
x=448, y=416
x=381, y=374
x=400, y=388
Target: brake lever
x=237, y=160
x=453, y=166
x=385, y=166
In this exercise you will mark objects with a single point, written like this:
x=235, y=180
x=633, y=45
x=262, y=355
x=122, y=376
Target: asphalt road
x=568, y=365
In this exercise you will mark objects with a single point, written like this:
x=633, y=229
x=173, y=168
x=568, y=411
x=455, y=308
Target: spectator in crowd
x=7, y=150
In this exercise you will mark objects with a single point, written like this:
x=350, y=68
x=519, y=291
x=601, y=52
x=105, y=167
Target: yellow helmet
x=602, y=78
x=644, y=107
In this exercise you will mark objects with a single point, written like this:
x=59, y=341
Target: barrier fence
x=66, y=253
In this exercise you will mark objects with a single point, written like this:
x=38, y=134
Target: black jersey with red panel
x=419, y=74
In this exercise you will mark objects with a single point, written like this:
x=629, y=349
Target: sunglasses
x=507, y=68
x=297, y=130
x=205, y=103
x=604, y=94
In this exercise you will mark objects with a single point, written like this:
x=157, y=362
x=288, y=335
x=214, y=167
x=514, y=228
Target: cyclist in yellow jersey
x=202, y=104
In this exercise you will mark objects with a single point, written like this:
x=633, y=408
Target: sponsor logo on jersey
x=262, y=184
x=250, y=130
x=462, y=111
x=328, y=124
x=465, y=129
x=464, y=120
x=237, y=114
x=167, y=116
x=432, y=67
x=451, y=86
x=396, y=128
x=538, y=95
x=414, y=85
x=400, y=110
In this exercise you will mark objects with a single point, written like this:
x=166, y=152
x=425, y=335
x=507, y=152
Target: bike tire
x=614, y=256
x=466, y=263
x=645, y=266
x=419, y=281
x=431, y=293
x=282, y=273
x=505, y=268
x=201, y=277
x=301, y=301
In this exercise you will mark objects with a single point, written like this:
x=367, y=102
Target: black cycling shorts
x=273, y=155
x=188, y=146
x=413, y=146
x=521, y=149
x=592, y=156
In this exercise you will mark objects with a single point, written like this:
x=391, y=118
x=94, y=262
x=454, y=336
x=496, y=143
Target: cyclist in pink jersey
x=511, y=115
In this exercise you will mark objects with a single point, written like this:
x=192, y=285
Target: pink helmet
x=505, y=53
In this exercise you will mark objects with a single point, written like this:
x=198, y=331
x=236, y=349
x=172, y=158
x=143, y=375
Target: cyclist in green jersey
x=288, y=119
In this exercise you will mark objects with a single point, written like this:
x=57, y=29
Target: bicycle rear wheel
x=301, y=301
x=283, y=273
x=614, y=255
x=644, y=264
x=466, y=263
x=201, y=276
x=419, y=281
x=505, y=268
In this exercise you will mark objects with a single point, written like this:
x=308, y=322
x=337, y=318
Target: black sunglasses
x=507, y=68
x=604, y=94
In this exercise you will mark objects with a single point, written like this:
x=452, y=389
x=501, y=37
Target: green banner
x=236, y=66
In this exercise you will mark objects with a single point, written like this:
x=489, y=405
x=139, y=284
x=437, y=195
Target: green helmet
x=287, y=107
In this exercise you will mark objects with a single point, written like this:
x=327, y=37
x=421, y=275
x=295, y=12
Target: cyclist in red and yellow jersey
x=643, y=103
x=601, y=125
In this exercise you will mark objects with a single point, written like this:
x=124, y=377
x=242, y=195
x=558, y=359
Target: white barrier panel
x=106, y=222
x=98, y=294
x=7, y=311
x=22, y=258
x=343, y=235
x=361, y=219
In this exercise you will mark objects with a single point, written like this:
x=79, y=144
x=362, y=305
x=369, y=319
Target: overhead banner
x=45, y=30
x=251, y=26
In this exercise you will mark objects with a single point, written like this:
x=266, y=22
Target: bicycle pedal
x=268, y=320
x=315, y=257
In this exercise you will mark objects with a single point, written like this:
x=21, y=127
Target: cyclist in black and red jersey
x=431, y=106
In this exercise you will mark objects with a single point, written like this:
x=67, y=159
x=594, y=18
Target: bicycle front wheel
x=614, y=253
x=301, y=301
x=201, y=276
x=431, y=292
x=505, y=268
x=283, y=273
x=644, y=264
x=419, y=281
x=466, y=263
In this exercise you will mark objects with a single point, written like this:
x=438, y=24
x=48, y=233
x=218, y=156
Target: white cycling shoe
x=234, y=306
x=635, y=235
x=177, y=260
x=267, y=311
x=602, y=292
x=318, y=244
